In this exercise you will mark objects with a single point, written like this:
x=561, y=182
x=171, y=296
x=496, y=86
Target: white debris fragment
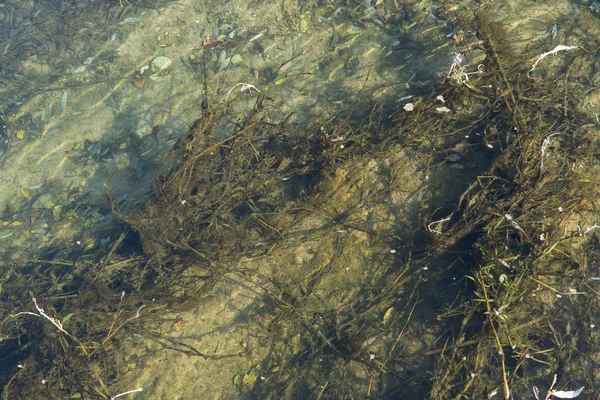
x=567, y=394
x=63, y=100
x=555, y=50
x=561, y=394
x=401, y=99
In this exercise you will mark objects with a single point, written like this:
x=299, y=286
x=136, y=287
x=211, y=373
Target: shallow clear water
x=95, y=94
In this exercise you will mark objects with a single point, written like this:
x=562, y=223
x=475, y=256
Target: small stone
x=454, y=157
x=303, y=26
x=177, y=326
x=56, y=211
x=236, y=59
x=138, y=81
x=160, y=64
x=44, y=201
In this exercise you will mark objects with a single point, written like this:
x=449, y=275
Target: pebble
x=454, y=157
x=225, y=64
x=236, y=59
x=138, y=81
x=160, y=64
x=303, y=26
x=222, y=56
x=45, y=201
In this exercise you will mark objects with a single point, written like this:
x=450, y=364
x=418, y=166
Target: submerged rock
x=160, y=64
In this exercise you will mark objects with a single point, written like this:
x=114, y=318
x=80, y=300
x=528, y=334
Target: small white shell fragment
x=63, y=100
x=440, y=98
x=255, y=37
x=401, y=99
x=443, y=109
x=131, y=19
x=454, y=157
x=409, y=106
x=79, y=69
x=5, y=235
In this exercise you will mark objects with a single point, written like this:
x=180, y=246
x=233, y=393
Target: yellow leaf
x=26, y=193
x=249, y=379
x=89, y=246
x=387, y=316
x=67, y=318
x=238, y=380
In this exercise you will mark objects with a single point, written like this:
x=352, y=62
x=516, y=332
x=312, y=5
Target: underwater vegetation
x=441, y=247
